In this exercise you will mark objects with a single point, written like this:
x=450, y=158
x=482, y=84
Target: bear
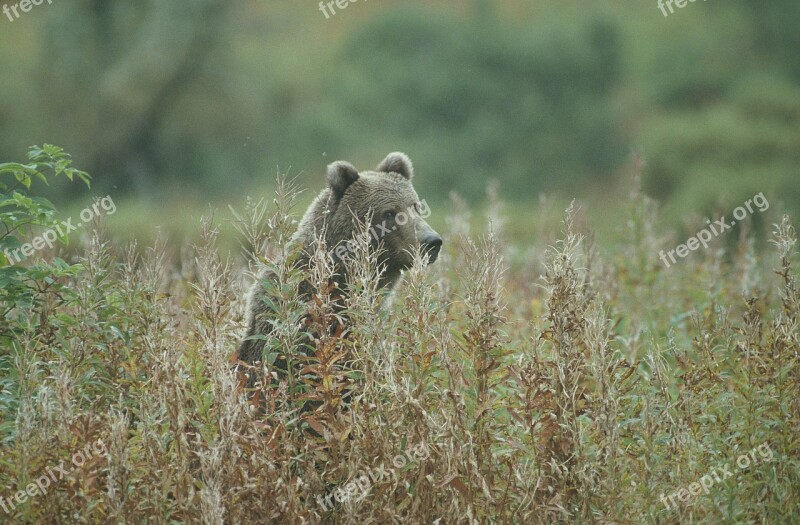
x=384, y=197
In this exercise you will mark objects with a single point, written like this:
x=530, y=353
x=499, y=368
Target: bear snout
x=431, y=244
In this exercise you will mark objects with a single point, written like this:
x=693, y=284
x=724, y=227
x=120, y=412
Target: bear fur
x=388, y=200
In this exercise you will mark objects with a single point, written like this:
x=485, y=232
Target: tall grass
x=563, y=383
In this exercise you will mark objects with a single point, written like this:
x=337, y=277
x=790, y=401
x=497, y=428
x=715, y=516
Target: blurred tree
x=529, y=105
x=731, y=128
x=777, y=28
x=731, y=150
x=135, y=59
x=146, y=92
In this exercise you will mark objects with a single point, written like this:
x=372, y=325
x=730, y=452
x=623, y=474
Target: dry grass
x=561, y=384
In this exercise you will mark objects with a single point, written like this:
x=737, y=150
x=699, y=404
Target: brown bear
x=387, y=199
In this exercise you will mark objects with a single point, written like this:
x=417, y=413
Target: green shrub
x=23, y=288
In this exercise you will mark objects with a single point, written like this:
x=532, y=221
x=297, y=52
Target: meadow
x=554, y=380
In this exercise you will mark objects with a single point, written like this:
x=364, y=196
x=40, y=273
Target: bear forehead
x=383, y=188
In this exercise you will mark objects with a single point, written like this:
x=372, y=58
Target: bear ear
x=340, y=176
x=397, y=163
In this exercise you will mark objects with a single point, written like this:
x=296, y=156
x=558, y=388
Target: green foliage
x=730, y=151
x=24, y=288
x=775, y=26
x=529, y=105
x=542, y=96
x=21, y=214
x=724, y=123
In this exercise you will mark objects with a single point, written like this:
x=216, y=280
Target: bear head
x=385, y=197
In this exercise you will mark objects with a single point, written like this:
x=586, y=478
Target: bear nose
x=431, y=245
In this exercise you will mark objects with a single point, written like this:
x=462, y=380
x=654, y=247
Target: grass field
x=554, y=382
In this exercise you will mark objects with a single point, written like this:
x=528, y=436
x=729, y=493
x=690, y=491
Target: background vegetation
x=175, y=106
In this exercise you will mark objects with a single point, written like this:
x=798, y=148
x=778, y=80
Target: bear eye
x=389, y=215
x=418, y=207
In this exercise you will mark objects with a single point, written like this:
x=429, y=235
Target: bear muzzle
x=431, y=244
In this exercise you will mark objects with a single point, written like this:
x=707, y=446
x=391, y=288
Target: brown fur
x=351, y=194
